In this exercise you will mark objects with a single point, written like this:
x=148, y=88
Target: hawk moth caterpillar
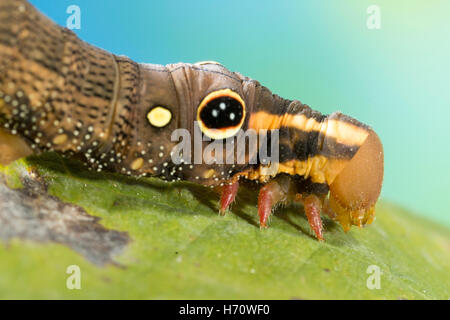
x=58, y=93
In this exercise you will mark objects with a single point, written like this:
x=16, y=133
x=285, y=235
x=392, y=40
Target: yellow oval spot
x=208, y=174
x=60, y=139
x=159, y=117
x=137, y=164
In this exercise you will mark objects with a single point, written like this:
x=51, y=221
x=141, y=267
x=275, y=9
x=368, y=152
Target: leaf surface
x=178, y=247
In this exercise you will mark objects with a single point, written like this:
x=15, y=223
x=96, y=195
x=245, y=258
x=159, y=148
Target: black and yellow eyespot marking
x=221, y=114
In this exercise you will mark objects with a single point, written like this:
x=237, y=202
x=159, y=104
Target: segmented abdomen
x=62, y=93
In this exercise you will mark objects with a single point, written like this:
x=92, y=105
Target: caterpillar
x=60, y=94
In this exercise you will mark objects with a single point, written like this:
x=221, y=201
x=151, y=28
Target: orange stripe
x=343, y=132
x=318, y=168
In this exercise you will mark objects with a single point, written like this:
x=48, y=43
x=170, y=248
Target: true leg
x=313, y=207
x=228, y=195
x=278, y=190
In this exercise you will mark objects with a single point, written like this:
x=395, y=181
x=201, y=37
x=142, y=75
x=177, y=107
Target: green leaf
x=172, y=244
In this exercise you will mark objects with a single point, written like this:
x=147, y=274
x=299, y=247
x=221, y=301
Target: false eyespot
x=221, y=114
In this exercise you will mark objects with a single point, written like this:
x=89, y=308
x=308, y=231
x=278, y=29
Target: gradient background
x=396, y=79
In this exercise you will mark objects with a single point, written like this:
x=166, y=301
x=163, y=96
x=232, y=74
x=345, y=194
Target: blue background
x=395, y=79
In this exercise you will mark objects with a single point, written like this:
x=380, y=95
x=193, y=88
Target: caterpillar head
x=355, y=190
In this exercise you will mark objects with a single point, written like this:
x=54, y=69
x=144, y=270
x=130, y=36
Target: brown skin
x=12, y=148
x=356, y=189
